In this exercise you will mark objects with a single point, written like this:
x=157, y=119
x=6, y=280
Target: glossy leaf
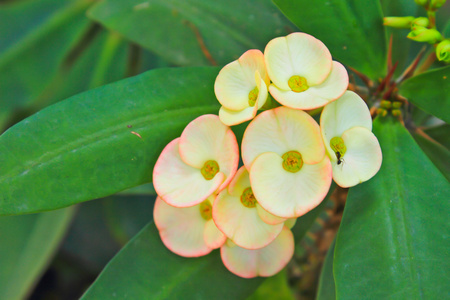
x=32, y=55
x=99, y=142
x=352, y=30
x=326, y=289
x=27, y=243
x=437, y=153
x=440, y=134
x=395, y=226
x=430, y=91
x=275, y=287
x=187, y=32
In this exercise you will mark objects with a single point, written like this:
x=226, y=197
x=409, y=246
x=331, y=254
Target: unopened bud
x=421, y=2
x=398, y=22
x=443, y=51
x=382, y=112
x=396, y=112
x=396, y=104
x=435, y=4
x=422, y=34
x=386, y=104
x=421, y=21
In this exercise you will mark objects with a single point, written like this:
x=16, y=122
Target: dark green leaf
x=437, y=153
x=430, y=91
x=27, y=245
x=99, y=142
x=326, y=289
x=352, y=30
x=392, y=242
x=176, y=29
x=33, y=54
x=440, y=134
x=275, y=287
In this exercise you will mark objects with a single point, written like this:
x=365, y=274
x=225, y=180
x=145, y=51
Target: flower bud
x=421, y=2
x=443, y=51
x=396, y=112
x=435, y=4
x=386, y=104
x=421, y=21
x=396, y=104
x=398, y=22
x=422, y=34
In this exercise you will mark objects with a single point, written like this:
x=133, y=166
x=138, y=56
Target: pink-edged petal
x=361, y=161
x=346, y=112
x=181, y=229
x=304, y=100
x=286, y=194
x=232, y=86
x=251, y=61
x=261, y=262
x=242, y=224
x=281, y=130
x=310, y=57
x=239, y=183
x=334, y=86
x=267, y=217
x=231, y=117
x=278, y=62
x=179, y=184
x=214, y=238
x=207, y=138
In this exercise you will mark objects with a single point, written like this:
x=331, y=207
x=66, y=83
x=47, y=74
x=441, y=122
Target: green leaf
x=100, y=142
x=438, y=154
x=176, y=29
x=275, y=287
x=32, y=55
x=430, y=91
x=27, y=245
x=352, y=30
x=326, y=289
x=440, y=134
x=146, y=269
x=392, y=242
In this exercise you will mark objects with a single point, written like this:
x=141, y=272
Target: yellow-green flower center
x=248, y=199
x=338, y=146
x=298, y=84
x=252, y=96
x=292, y=161
x=206, y=210
x=210, y=169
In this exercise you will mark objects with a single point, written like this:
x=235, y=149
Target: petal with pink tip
x=286, y=194
x=281, y=130
x=267, y=217
x=239, y=183
x=237, y=79
x=297, y=54
x=207, y=138
x=214, y=238
x=242, y=224
x=263, y=262
x=179, y=184
x=361, y=161
x=232, y=117
x=348, y=111
x=181, y=229
x=334, y=86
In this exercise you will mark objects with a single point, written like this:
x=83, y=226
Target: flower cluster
x=205, y=202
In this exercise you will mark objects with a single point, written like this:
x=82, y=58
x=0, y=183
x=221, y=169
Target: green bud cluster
x=390, y=106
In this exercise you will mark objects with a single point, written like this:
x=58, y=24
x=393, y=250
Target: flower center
x=248, y=199
x=206, y=210
x=252, y=96
x=292, y=161
x=210, y=169
x=338, y=146
x=298, y=84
